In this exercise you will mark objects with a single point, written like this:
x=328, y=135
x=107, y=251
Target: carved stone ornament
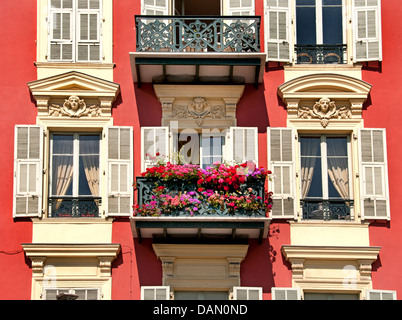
x=325, y=109
x=74, y=107
x=199, y=109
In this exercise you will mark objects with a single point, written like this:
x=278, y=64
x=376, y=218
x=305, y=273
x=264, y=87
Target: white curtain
x=310, y=148
x=89, y=150
x=62, y=175
x=338, y=170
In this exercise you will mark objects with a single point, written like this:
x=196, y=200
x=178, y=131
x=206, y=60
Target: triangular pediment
x=74, y=83
x=74, y=95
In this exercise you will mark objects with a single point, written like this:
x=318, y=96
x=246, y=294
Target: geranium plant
x=222, y=187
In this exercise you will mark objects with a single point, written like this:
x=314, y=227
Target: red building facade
x=101, y=84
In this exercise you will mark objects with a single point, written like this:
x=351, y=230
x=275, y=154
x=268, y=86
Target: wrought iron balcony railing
x=190, y=201
x=74, y=207
x=321, y=54
x=320, y=209
x=198, y=33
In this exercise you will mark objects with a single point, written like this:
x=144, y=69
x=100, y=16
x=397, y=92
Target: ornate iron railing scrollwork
x=320, y=54
x=334, y=209
x=198, y=33
x=146, y=194
x=74, y=207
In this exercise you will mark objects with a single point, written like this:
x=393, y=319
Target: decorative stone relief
x=199, y=110
x=74, y=107
x=324, y=109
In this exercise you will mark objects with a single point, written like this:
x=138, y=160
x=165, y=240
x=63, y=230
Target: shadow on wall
x=149, y=107
x=252, y=109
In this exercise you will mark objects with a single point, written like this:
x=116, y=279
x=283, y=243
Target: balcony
x=334, y=209
x=321, y=54
x=74, y=207
x=201, y=208
x=197, y=49
x=198, y=34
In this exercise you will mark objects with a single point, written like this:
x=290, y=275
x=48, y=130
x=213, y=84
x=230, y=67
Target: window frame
x=324, y=161
x=76, y=155
x=72, y=291
x=319, y=18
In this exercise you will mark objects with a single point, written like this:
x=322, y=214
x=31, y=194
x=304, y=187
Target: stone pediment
x=74, y=94
x=322, y=97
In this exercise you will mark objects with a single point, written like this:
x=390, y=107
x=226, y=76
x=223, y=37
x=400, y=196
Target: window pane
x=311, y=176
x=88, y=181
x=305, y=22
x=62, y=165
x=332, y=23
x=211, y=149
x=338, y=173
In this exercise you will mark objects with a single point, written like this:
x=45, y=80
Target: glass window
x=74, y=174
x=201, y=295
x=202, y=148
x=328, y=26
x=325, y=189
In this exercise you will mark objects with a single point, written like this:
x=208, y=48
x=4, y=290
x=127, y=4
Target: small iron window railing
x=74, y=207
x=321, y=54
x=334, y=209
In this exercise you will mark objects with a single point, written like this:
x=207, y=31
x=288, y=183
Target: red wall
x=17, y=34
x=382, y=112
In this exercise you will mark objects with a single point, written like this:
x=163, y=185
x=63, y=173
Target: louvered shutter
x=381, y=295
x=154, y=140
x=89, y=30
x=373, y=174
x=61, y=30
x=120, y=171
x=277, y=30
x=367, y=30
x=243, y=144
x=241, y=7
x=155, y=293
x=28, y=159
x=155, y=7
x=286, y=294
x=247, y=293
x=281, y=161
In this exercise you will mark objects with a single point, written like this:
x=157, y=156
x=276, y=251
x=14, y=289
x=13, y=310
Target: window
x=330, y=296
x=328, y=29
x=201, y=295
x=202, y=147
x=321, y=31
x=325, y=188
x=74, y=179
x=75, y=30
x=71, y=294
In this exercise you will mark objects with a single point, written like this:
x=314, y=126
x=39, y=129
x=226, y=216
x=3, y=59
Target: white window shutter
x=240, y=7
x=243, y=144
x=247, y=293
x=89, y=16
x=380, y=295
x=120, y=171
x=155, y=7
x=373, y=174
x=281, y=161
x=154, y=140
x=28, y=162
x=285, y=293
x=61, y=30
x=155, y=293
x=367, y=30
x=277, y=30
